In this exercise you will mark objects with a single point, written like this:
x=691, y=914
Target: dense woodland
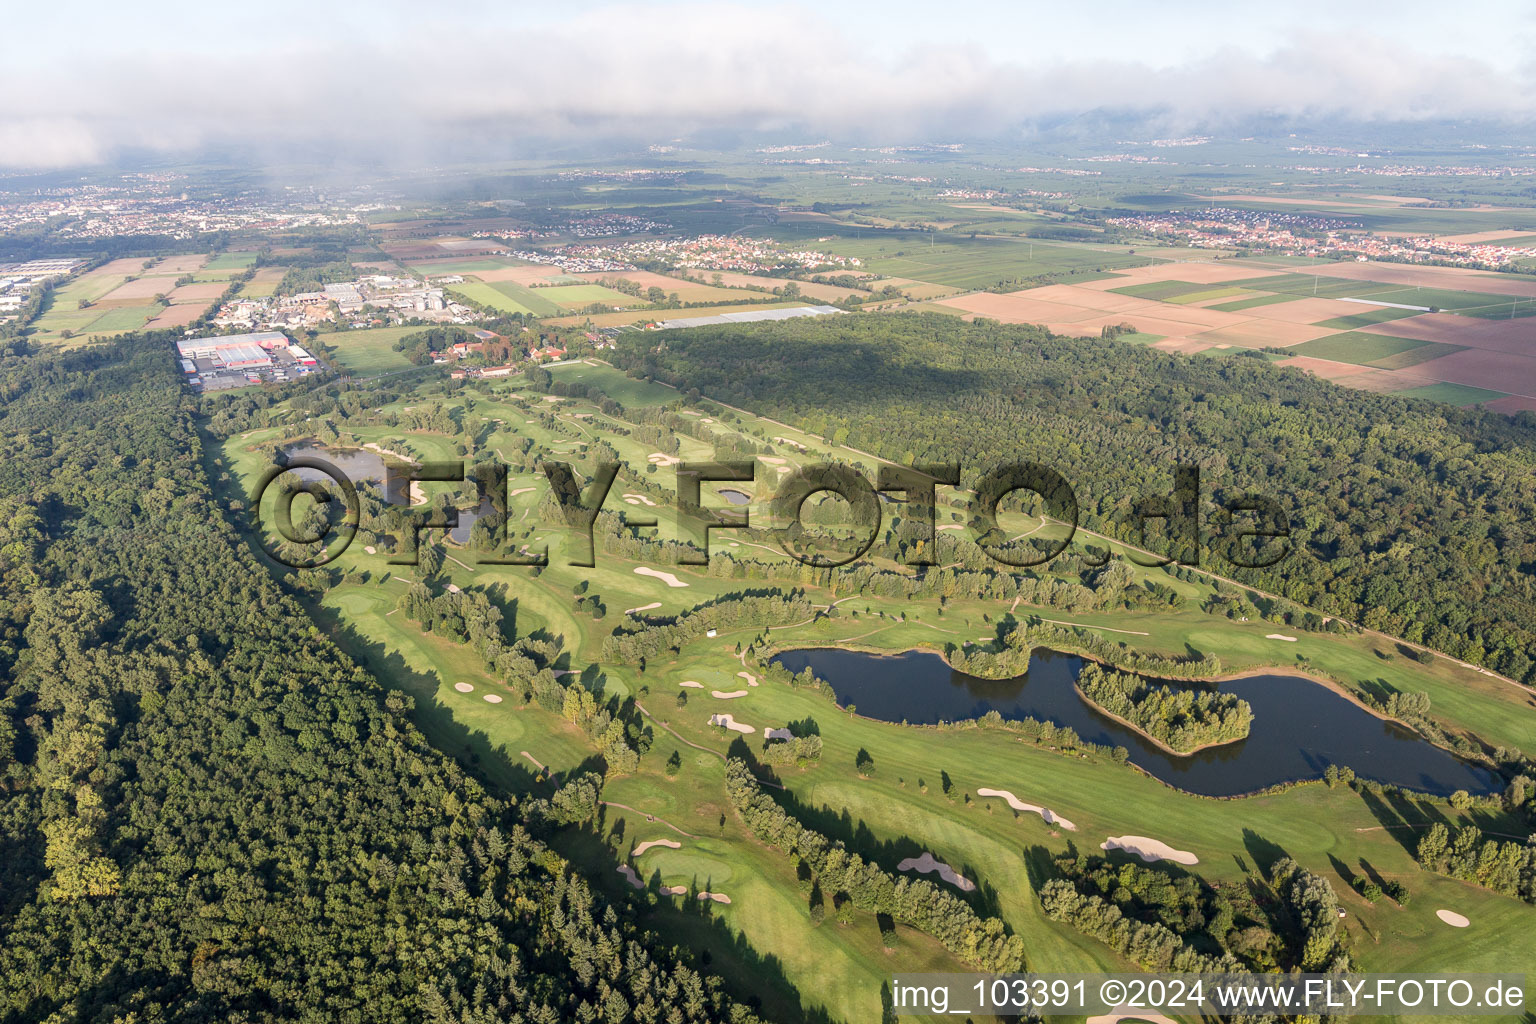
x=207, y=812
x=1184, y=718
x=1405, y=516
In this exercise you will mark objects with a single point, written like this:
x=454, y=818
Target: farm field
x=1313, y=315
x=127, y=295
x=902, y=809
x=576, y=296
x=636, y=316
x=978, y=263
x=686, y=291
x=506, y=296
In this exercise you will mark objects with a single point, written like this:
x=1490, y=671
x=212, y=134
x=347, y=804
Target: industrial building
x=237, y=360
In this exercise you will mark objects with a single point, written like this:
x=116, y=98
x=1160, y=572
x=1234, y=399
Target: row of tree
x=981, y=942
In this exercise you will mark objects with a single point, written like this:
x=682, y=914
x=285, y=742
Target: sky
x=84, y=81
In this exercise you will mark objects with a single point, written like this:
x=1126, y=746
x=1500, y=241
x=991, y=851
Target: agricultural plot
x=1367, y=317
x=689, y=291
x=1166, y=291
x=506, y=296
x=1452, y=394
x=577, y=296
x=978, y=263
x=637, y=316
x=231, y=261
x=1378, y=350
x=264, y=283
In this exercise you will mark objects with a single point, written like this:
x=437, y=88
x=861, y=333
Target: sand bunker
x=777, y=734
x=661, y=459
x=748, y=676
x=1452, y=918
x=642, y=499
x=718, y=695
x=926, y=863
x=493, y=698
x=665, y=577
x=629, y=873
x=733, y=725
x=718, y=897
x=693, y=683
x=370, y=549
x=1050, y=816
x=1121, y=1013
x=668, y=843
x=518, y=490
x=1280, y=636
x=642, y=608
x=772, y=460
x=1149, y=850
x=788, y=441
x=464, y=687
x=951, y=526
x=674, y=890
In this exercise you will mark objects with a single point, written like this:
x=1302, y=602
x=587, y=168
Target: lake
x=364, y=466
x=1299, y=726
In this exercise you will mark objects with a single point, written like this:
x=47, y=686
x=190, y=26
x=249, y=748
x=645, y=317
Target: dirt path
x=648, y=817
x=689, y=743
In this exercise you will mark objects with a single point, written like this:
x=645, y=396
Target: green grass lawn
x=625, y=390
x=370, y=350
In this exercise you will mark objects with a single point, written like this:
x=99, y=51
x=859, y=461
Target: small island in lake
x=1182, y=719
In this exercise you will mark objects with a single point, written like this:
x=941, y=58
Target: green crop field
x=1251, y=302
x=980, y=262
x=1367, y=317
x=1452, y=394
x=489, y=295
x=1184, y=298
x=1167, y=291
x=1374, y=350
x=577, y=296
x=231, y=261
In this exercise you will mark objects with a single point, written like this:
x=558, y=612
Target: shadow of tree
x=695, y=927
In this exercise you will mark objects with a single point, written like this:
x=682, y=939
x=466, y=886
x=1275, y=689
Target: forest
x=1182, y=718
x=207, y=811
x=1404, y=516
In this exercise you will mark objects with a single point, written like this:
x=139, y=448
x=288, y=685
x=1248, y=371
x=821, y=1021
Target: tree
x=864, y=764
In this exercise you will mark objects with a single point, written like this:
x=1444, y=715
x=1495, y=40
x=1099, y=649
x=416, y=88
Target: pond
x=735, y=497
x=362, y=466
x=1299, y=726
